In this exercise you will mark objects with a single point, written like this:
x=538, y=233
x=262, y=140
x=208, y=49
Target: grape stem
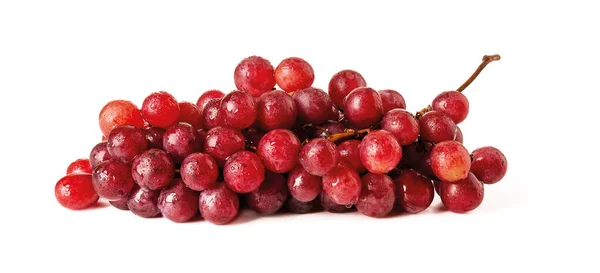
x=347, y=133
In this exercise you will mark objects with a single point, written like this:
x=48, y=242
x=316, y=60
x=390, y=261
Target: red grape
x=143, y=202
x=380, y=152
x=219, y=205
x=342, y=83
x=437, y=127
x=377, y=195
x=276, y=110
x=402, y=124
x=222, y=142
x=208, y=96
x=160, y=109
x=178, y=203
x=119, y=112
x=270, y=196
x=332, y=128
x=190, y=113
x=328, y=205
x=489, y=164
x=463, y=196
x=99, y=153
x=279, y=150
x=319, y=156
x=313, y=105
x=459, y=135
x=414, y=191
x=253, y=136
x=349, y=152
x=342, y=185
x=294, y=206
x=424, y=166
x=122, y=203
x=334, y=114
x=211, y=115
x=293, y=74
x=181, y=140
x=153, y=169
x=238, y=109
x=154, y=136
x=391, y=99
x=411, y=155
x=125, y=142
x=303, y=186
x=75, y=191
x=450, y=161
x=452, y=103
x=436, y=186
x=243, y=172
x=112, y=179
x=199, y=171
x=363, y=107
x=81, y=165
x=255, y=75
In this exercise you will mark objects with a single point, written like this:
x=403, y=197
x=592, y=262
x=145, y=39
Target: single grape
x=279, y=150
x=143, y=202
x=238, y=109
x=302, y=185
x=160, y=109
x=190, y=113
x=298, y=207
x=391, y=99
x=424, y=166
x=335, y=114
x=243, y=172
x=119, y=112
x=450, y=161
x=313, y=105
x=319, y=156
x=363, y=107
x=452, y=103
x=462, y=196
x=219, y=205
x=402, y=124
x=270, y=196
x=208, y=96
x=154, y=136
x=126, y=142
x=99, y=153
x=349, y=152
x=489, y=164
x=342, y=83
x=181, y=140
x=199, y=171
x=81, y=165
x=112, y=179
x=342, y=185
x=380, y=152
x=255, y=75
x=177, y=202
x=75, y=191
x=377, y=195
x=437, y=127
x=414, y=192
x=328, y=205
x=276, y=110
x=293, y=74
x=122, y=203
x=222, y=142
x=459, y=135
x=153, y=169
x=411, y=155
x=211, y=115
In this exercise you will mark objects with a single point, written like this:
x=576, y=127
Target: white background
x=60, y=62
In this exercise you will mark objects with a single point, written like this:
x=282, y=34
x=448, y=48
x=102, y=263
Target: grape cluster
x=299, y=149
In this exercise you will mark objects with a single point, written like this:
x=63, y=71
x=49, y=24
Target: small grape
x=153, y=169
x=302, y=185
x=380, y=152
x=238, y=109
x=402, y=124
x=437, y=127
x=119, y=112
x=363, y=107
x=177, y=202
x=181, y=140
x=377, y=195
x=243, y=172
x=255, y=75
x=462, y=196
x=81, y=165
x=160, y=109
x=318, y=156
x=414, y=192
x=219, y=205
x=143, y=202
x=222, y=142
x=452, y=103
x=279, y=150
x=126, y=142
x=342, y=83
x=270, y=196
x=190, y=113
x=208, y=96
x=342, y=185
x=489, y=164
x=154, y=136
x=391, y=99
x=450, y=161
x=211, y=115
x=313, y=105
x=112, y=179
x=293, y=74
x=276, y=110
x=75, y=191
x=199, y=171
x=349, y=152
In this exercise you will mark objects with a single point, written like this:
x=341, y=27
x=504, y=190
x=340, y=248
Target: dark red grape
x=489, y=164
x=112, y=179
x=452, y=103
x=450, y=161
x=99, y=153
x=293, y=74
x=211, y=115
x=253, y=136
x=313, y=105
x=121, y=204
x=436, y=186
x=363, y=107
x=154, y=136
x=219, y=205
x=437, y=127
x=391, y=99
x=349, y=152
x=243, y=172
x=424, y=166
x=414, y=191
x=177, y=202
x=279, y=150
x=238, y=109
x=199, y=171
x=335, y=114
x=462, y=196
x=153, y=169
x=119, y=112
x=75, y=191
x=190, y=113
x=208, y=96
x=342, y=83
x=328, y=205
x=342, y=185
x=332, y=128
x=160, y=109
x=377, y=195
x=275, y=110
x=298, y=207
x=402, y=124
x=126, y=142
x=81, y=165
x=255, y=75
x=411, y=155
x=181, y=140
x=270, y=196
x=319, y=156
x=380, y=152
x=303, y=185
x=143, y=202
x=222, y=142
x=459, y=135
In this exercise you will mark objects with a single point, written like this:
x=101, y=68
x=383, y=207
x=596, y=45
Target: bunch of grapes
x=296, y=148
